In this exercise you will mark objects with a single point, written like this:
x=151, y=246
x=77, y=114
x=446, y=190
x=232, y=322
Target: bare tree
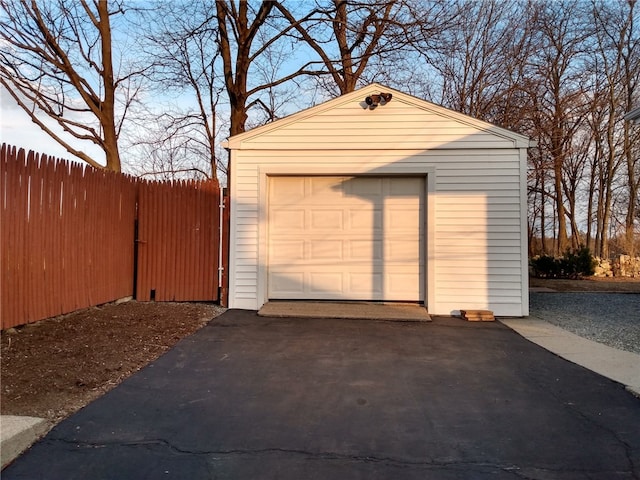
x=276, y=98
x=627, y=46
x=168, y=157
x=234, y=24
x=540, y=69
x=616, y=66
x=228, y=56
x=238, y=25
x=57, y=63
x=479, y=64
x=573, y=174
x=182, y=44
x=559, y=99
x=248, y=34
x=347, y=37
x=539, y=196
x=481, y=57
x=595, y=118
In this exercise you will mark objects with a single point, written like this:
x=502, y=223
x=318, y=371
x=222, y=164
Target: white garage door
x=346, y=238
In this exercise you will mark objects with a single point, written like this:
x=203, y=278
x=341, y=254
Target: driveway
x=252, y=397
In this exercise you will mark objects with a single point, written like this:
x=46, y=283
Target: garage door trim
x=267, y=170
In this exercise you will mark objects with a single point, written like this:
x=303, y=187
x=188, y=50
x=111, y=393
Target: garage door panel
x=349, y=252
x=363, y=187
x=288, y=221
x=286, y=251
x=290, y=284
x=320, y=186
x=398, y=283
x=289, y=192
x=363, y=285
x=365, y=219
x=401, y=251
x=405, y=187
x=404, y=219
x=326, y=219
x=365, y=250
x=327, y=250
x=346, y=238
x=324, y=283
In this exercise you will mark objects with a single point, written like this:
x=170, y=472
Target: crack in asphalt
x=634, y=469
x=515, y=470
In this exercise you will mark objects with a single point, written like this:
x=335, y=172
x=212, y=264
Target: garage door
x=346, y=238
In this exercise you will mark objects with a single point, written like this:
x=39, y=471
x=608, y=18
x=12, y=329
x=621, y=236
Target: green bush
x=580, y=263
x=545, y=266
x=573, y=264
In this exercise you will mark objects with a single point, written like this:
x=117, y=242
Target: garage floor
x=406, y=312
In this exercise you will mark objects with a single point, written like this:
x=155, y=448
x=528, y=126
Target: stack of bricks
x=477, y=315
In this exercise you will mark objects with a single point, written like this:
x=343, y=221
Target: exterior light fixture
x=374, y=100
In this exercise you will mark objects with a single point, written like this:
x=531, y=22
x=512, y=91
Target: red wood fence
x=67, y=237
x=178, y=223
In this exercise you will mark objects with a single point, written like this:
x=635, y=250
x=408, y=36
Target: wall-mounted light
x=374, y=100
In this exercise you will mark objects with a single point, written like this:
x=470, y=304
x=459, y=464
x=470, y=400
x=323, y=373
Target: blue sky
x=16, y=128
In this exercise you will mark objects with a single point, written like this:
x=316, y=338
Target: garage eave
x=633, y=115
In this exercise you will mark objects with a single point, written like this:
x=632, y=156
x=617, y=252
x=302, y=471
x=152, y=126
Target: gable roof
x=237, y=141
x=633, y=115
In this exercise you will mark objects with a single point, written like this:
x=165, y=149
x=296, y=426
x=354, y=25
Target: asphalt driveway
x=249, y=397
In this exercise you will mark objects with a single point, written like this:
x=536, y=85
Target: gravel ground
x=609, y=318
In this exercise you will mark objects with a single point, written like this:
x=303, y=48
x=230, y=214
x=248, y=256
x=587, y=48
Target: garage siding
x=477, y=251
x=477, y=226
x=396, y=124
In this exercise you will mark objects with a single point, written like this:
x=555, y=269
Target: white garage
x=401, y=201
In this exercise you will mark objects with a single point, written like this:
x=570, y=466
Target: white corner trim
x=524, y=237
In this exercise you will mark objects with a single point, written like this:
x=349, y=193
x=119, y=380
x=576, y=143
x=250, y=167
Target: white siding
x=399, y=124
x=476, y=233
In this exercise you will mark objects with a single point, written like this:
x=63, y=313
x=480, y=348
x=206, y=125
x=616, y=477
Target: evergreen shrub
x=573, y=264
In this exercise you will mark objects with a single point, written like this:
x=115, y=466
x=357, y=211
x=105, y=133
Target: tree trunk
x=632, y=203
x=107, y=107
x=563, y=239
x=543, y=221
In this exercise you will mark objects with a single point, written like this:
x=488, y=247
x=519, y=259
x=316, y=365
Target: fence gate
x=177, y=241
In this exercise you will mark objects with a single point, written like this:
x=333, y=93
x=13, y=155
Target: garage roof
x=633, y=115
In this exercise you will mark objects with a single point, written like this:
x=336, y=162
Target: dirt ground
x=591, y=284
x=52, y=368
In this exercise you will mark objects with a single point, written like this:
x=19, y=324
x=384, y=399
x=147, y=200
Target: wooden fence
x=68, y=238
x=178, y=234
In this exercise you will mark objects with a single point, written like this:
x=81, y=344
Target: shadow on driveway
x=251, y=397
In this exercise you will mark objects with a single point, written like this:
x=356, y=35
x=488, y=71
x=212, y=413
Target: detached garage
x=365, y=199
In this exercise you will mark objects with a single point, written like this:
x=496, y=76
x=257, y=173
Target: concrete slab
x=17, y=433
x=406, y=312
x=541, y=289
x=618, y=365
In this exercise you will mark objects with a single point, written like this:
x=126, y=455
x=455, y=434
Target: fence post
x=224, y=243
